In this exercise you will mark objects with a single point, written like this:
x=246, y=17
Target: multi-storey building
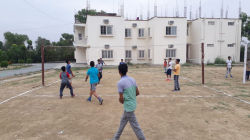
x=151, y=41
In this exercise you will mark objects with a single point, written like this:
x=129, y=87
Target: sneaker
x=226, y=76
x=166, y=79
x=174, y=90
x=73, y=96
x=60, y=97
x=231, y=76
x=100, y=101
x=89, y=100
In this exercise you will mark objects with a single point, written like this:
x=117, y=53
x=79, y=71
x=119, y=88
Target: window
x=211, y=22
x=210, y=45
x=171, y=30
x=170, y=53
x=128, y=54
x=148, y=32
x=107, y=54
x=141, y=33
x=127, y=32
x=148, y=53
x=141, y=53
x=230, y=23
x=187, y=28
x=106, y=30
x=230, y=45
x=79, y=36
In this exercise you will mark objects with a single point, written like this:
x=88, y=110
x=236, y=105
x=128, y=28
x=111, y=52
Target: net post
x=202, y=61
x=42, y=57
x=245, y=63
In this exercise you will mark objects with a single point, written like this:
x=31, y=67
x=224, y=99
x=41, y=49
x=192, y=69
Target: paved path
x=35, y=67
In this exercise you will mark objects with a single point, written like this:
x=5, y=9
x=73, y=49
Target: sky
x=50, y=18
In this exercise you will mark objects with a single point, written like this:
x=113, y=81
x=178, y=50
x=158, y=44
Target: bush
x=4, y=64
x=9, y=62
x=29, y=61
x=20, y=61
x=209, y=63
x=186, y=64
x=219, y=60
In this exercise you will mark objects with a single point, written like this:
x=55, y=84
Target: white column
x=245, y=64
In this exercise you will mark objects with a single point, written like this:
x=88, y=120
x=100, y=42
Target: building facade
x=151, y=41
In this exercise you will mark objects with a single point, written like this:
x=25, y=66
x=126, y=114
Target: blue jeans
x=63, y=85
x=247, y=75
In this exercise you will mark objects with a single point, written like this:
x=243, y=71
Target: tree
x=14, y=53
x=3, y=56
x=81, y=15
x=65, y=40
x=1, y=45
x=11, y=39
x=23, y=52
x=29, y=47
x=245, y=27
x=40, y=41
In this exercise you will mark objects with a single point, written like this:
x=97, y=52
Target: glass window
x=211, y=22
x=148, y=53
x=230, y=45
x=127, y=32
x=141, y=33
x=210, y=45
x=141, y=53
x=80, y=36
x=128, y=54
x=171, y=30
x=230, y=23
x=170, y=53
x=107, y=54
x=148, y=32
x=106, y=30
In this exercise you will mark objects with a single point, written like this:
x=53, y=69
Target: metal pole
x=245, y=63
x=202, y=61
x=42, y=57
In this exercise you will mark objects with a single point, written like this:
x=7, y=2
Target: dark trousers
x=63, y=85
x=247, y=75
x=176, y=82
x=100, y=73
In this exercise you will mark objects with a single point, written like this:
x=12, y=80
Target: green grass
x=207, y=121
x=222, y=84
x=186, y=64
x=15, y=83
x=32, y=81
x=242, y=95
x=221, y=108
x=223, y=103
x=248, y=116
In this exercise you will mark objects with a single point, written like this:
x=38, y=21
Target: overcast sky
x=19, y=17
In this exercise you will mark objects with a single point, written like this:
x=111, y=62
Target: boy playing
x=68, y=68
x=99, y=67
x=165, y=65
x=229, y=66
x=121, y=62
x=65, y=82
x=176, y=75
x=248, y=69
x=169, y=69
x=128, y=91
x=93, y=73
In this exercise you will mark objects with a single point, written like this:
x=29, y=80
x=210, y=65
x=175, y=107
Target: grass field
x=218, y=111
x=14, y=67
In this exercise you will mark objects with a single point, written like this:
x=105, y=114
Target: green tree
x=245, y=27
x=23, y=52
x=1, y=45
x=65, y=40
x=3, y=56
x=81, y=15
x=14, y=53
x=40, y=41
x=29, y=47
x=12, y=38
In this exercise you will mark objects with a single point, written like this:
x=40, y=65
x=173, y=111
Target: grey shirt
x=65, y=77
x=99, y=67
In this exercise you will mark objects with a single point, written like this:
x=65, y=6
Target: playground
x=218, y=110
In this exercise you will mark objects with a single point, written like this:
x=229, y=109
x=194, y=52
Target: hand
x=121, y=100
x=86, y=80
x=73, y=75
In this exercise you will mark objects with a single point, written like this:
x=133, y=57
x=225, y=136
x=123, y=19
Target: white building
x=151, y=41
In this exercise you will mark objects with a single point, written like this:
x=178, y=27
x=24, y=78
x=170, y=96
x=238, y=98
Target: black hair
x=92, y=63
x=170, y=58
x=121, y=59
x=123, y=68
x=67, y=61
x=178, y=60
x=63, y=68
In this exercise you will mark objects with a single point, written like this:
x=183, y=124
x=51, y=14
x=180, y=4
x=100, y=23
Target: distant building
x=150, y=41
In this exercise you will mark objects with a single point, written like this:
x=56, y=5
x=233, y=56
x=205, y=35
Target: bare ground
x=194, y=113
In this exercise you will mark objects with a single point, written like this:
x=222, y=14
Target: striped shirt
x=127, y=86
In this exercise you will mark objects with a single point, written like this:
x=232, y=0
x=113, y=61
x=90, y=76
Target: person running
x=229, y=66
x=248, y=69
x=93, y=73
x=68, y=68
x=128, y=91
x=176, y=75
x=121, y=62
x=64, y=76
x=169, y=71
x=99, y=67
x=165, y=65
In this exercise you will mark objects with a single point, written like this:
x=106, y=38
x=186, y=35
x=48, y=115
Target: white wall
x=83, y=42
x=80, y=55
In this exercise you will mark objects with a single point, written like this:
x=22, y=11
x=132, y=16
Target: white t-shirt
x=229, y=63
x=170, y=65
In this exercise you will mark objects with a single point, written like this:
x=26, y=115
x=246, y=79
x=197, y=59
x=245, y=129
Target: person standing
x=93, y=73
x=229, y=66
x=128, y=91
x=64, y=76
x=176, y=75
x=99, y=67
x=165, y=65
x=248, y=69
x=169, y=69
x=121, y=62
x=68, y=69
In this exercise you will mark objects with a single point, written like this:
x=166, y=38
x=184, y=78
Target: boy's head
x=122, y=60
x=63, y=68
x=229, y=57
x=169, y=59
x=177, y=61
x=165, y=59
x=67, y=61
x=123, y=69
x=92, y=63
x=99, y=61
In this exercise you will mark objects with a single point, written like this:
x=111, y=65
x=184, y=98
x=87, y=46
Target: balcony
x=80, y=41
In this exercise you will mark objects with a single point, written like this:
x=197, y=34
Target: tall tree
x=29, y=47
x=81, y=15
x=23, y=52
x=1, y=45
x=245, y=27
x=12, y=38
x=65, y=40
x=40, y=41
x=14, y=53
x=3, y=56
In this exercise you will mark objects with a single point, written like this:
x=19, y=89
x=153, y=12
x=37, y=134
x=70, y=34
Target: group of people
x=168, y=70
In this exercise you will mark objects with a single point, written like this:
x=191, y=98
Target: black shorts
x=169, y=72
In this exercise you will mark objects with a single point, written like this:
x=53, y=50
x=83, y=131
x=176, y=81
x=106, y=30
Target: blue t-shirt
x=122, y=63
x=68, y=67
x=93, y=74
